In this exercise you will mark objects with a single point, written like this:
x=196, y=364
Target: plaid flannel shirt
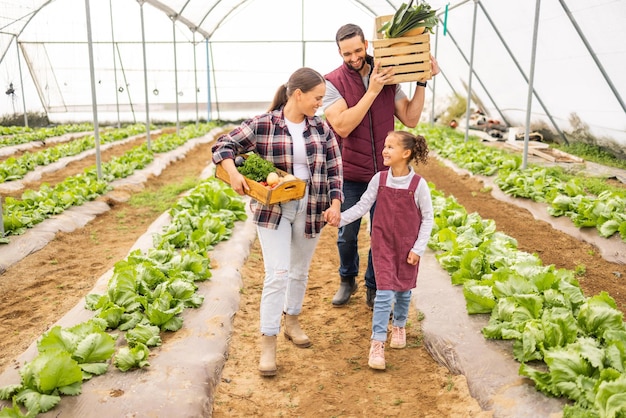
x=268, y=136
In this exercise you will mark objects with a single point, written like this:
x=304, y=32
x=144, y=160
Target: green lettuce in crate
x=409, y=17
x=256, y=168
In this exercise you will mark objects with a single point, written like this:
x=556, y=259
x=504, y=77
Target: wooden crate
x=408, y=55
x=289, y=190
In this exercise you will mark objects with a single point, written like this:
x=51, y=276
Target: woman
x=291, y=136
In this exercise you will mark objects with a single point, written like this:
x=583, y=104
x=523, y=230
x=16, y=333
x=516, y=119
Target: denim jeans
x=287, y=255
x=382, y=309
x=347, y=238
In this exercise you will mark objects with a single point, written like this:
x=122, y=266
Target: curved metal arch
x=175, y=15
x=365, y=7
x=219, y=23
x=17, y=35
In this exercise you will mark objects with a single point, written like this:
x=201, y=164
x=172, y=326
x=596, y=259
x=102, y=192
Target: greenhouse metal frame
x=532, y=64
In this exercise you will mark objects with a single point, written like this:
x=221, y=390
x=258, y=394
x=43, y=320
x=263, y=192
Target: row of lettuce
x=36, y=206
x=15, y=168
x=569, y=345
x=588, y=204
x=145, y=296
x=17, y=135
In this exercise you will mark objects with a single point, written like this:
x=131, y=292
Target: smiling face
x=353, y=51
x=394, y=154
x=309, y=102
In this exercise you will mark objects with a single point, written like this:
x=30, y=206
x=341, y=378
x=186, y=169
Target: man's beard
x=357, y=69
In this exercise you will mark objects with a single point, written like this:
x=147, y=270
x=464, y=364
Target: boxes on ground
x=289, y=190
x=408, y=55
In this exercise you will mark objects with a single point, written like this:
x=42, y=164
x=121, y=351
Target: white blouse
x=423, y=202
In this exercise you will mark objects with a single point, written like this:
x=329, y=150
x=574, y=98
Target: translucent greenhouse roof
x=226, y=58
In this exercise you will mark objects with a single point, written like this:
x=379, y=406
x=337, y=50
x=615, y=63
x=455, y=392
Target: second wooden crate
x=408, y=55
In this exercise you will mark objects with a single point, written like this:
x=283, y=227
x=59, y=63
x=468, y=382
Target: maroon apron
x=395, y=228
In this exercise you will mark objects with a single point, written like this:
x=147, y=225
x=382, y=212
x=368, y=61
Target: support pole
x=176, y=76
x=530, y=83
x=471, y=65
x=94, y=103
x=195, y=77
x=19, y=67
x=117, y=100
x=208, y=82
x=434, y=83
x=145, y=76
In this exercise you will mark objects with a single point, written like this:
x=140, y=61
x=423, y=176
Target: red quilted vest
x=361, y=150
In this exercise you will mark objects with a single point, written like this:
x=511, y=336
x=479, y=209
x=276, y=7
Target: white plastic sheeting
x=234, y=54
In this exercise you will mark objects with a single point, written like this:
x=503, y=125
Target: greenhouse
x=132, y=270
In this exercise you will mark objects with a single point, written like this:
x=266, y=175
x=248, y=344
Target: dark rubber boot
x=347, y=288
x=371, y=295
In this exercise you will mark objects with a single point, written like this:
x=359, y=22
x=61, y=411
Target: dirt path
x=332, y=378
x=329, y=379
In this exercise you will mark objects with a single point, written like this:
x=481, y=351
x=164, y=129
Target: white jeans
x=287, y=256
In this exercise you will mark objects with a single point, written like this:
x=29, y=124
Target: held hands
x=413, y=258
x=332, y=216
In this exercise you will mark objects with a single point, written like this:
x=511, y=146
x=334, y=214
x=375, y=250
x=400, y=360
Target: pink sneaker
x=377, y=355
x=398, y=337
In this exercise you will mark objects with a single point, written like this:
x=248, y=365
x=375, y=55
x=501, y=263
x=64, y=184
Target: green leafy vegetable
x=256, y=168
x=128, y=358
x=409, y=17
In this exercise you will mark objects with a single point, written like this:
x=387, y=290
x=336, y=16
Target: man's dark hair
x=349, y=31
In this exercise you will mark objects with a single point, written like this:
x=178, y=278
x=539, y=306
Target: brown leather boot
x=294, y=333
x=267, y=363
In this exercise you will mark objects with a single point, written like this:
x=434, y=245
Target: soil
x=331, y=378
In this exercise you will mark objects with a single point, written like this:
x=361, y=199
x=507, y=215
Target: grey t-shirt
x=332, y=94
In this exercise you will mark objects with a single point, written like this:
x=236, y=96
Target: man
x=361, y=108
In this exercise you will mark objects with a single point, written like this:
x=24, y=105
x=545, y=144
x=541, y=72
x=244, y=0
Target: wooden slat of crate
x=290, y=190
x=409, y=56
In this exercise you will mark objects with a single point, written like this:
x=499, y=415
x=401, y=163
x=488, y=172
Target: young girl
x=291, y=136
x=400, y=233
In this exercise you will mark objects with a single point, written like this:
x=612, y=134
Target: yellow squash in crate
x=284, y=192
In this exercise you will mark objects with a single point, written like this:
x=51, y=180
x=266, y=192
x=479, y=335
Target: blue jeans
x=287, y=255
x=382, y=309
x=347, y=238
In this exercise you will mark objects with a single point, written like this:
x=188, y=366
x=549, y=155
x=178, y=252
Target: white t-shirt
x=300, y=163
